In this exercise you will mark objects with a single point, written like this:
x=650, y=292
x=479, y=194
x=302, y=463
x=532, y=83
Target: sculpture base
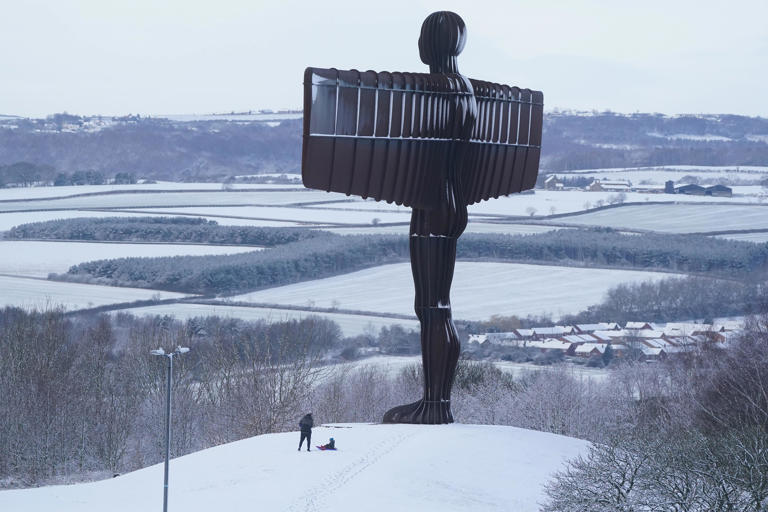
x=422, y=412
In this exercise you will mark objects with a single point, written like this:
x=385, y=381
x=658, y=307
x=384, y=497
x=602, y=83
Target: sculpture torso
x=450, y=217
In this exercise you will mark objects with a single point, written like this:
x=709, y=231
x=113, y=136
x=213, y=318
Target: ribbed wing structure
x=388, y=135
x=505, y=145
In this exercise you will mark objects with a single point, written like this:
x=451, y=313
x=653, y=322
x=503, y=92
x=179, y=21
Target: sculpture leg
x=432, y=261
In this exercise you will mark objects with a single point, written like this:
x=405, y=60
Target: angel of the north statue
x=435, y=142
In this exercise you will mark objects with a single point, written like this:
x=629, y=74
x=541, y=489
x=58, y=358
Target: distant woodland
x=65, y=149
x=301, y=254
x=158, y=229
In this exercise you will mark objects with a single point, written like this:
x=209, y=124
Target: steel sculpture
x=436, y=142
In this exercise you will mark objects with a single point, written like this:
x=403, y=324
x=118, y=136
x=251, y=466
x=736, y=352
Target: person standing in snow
x=306, y=425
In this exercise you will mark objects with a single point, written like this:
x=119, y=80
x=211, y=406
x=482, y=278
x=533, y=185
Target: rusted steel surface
x=383, y=135
x=436, y=142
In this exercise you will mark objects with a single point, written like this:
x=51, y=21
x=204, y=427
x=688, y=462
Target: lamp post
x=169, y=355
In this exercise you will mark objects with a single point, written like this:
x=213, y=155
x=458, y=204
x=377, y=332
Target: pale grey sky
x=190, y=56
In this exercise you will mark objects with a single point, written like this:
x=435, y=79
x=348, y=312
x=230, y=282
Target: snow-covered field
x=377, y=468
x=258, y=116
x=176, y=198
x=11, y=219
x=26, y=193
x=38, y=259
x=677, y=218
x=41, y=294
x=474, y=226
x=351, y=325
x=337, y=215
x=759, y=238
x=479, y=289
x=659, y=175
x=545, y=202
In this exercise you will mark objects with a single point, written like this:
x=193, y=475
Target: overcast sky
x=188, y=56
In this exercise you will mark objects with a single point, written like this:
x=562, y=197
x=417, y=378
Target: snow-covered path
x=377, y=468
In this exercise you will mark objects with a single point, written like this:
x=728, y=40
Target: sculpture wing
x=505, y=144
x=379, y=135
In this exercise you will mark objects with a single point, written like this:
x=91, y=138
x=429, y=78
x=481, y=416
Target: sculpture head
x=442, y=39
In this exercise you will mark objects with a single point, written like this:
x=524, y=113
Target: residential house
x=601, y=326
x=638, y=325
x=555, y=331
x=594, y=349
x=605, y=185
x=551, y=344
x=552, y=182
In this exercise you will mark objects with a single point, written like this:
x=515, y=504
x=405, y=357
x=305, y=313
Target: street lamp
x=169, y=355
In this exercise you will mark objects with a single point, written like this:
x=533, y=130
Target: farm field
x=676, y=218
x=758, y=238
x=479, y=290
x=38, y=259
x=11, y=219
x=27, y=193
x=297, y=215
x=545, y=202
x=473, y=226
x=351, y=325
x=175, y=198
x=659, y=175
x=39, y=293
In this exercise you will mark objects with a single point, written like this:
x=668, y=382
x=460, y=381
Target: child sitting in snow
x=331, y=445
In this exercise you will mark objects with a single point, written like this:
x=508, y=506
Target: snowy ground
x=474, y=226
x=38, y=259
x=377, y=468
x=26, y=193
x=659, y=175
x=547, y=202
x=42, y=294
x=337, y=215
x=748, y=237
x=166, y=199
x=676, y=218
x=11, y=219
x=350, y=325
x=479, y=289
x=237, y=217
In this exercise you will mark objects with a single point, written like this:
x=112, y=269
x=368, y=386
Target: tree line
x=26, y=174
x=608, y=247
x=318, y=255
x=214, y=150
x=694, y=438
x=83, y=396
x=158, y=229
x=155, y=148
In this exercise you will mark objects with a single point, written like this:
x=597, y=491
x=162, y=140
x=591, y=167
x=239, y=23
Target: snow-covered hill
x=377, y=468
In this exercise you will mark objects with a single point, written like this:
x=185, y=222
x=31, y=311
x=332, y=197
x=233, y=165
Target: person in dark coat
x=306, y=425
